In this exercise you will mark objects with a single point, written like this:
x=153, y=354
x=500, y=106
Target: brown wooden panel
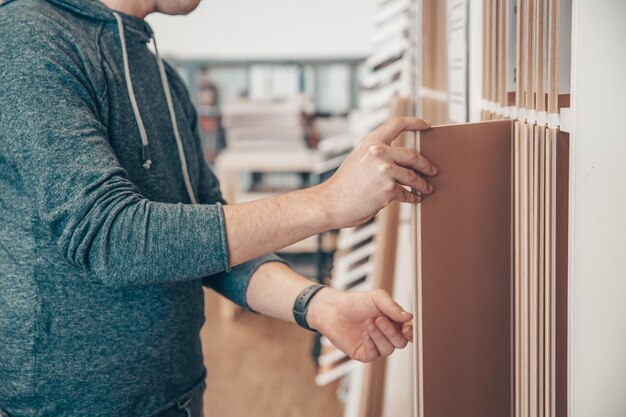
x=562, y=210
x=466, y=271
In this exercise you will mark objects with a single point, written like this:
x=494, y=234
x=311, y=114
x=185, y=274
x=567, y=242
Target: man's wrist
x=321, y=308
x=320, y=200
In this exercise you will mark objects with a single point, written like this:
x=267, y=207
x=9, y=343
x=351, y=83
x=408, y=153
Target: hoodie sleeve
x=232, y=284
x=52, y=137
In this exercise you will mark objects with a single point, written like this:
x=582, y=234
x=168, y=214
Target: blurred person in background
x=111, y=222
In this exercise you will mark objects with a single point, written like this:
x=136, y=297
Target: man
x=110, y=222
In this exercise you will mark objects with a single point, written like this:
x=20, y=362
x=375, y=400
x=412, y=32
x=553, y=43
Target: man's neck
x=139, y=8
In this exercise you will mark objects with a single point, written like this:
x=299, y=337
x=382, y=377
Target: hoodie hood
x=93, y=9
x=96, y=10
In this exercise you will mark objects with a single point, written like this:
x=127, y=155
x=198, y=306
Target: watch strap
x=301, y=306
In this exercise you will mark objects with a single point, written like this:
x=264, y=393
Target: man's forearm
x=273, y=290
x=259, y=227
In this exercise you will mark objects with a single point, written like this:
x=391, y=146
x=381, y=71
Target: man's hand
x=374, y=174
x=364, y=325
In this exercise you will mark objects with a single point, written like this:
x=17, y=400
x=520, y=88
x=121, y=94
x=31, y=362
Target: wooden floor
x=261, y=367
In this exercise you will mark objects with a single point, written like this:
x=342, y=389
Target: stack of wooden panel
x=491, y=242
x=433, y=105
x=541, y=156
x=266, y=125
x=495, y=58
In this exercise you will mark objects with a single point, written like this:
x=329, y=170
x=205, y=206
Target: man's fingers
x=393, y=127
x=405, y=196
x=410, y=158
x=383, y=345
x=389, y=307
x=391, y=332
x=409, y=178
x=369, y=348
x=407, y=331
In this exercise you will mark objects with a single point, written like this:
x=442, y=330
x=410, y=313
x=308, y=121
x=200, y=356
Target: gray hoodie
x=102, y=254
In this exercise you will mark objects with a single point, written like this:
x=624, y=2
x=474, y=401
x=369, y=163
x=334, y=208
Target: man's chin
x=177, y=7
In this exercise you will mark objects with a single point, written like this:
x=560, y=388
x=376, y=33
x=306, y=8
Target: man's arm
x=57, y=146
x=364, y=325
x=372, y=176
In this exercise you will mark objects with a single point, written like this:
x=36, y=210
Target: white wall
x=268, y=29
x=598, y=251
x=475, y=68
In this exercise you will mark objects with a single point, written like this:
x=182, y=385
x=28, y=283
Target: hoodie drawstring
x=147, y=161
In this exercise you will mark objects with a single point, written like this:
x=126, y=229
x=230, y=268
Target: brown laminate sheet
x=517, y=264
x=466, y=268
x=562, y=209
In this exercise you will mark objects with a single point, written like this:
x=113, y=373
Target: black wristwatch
x=301, y=306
